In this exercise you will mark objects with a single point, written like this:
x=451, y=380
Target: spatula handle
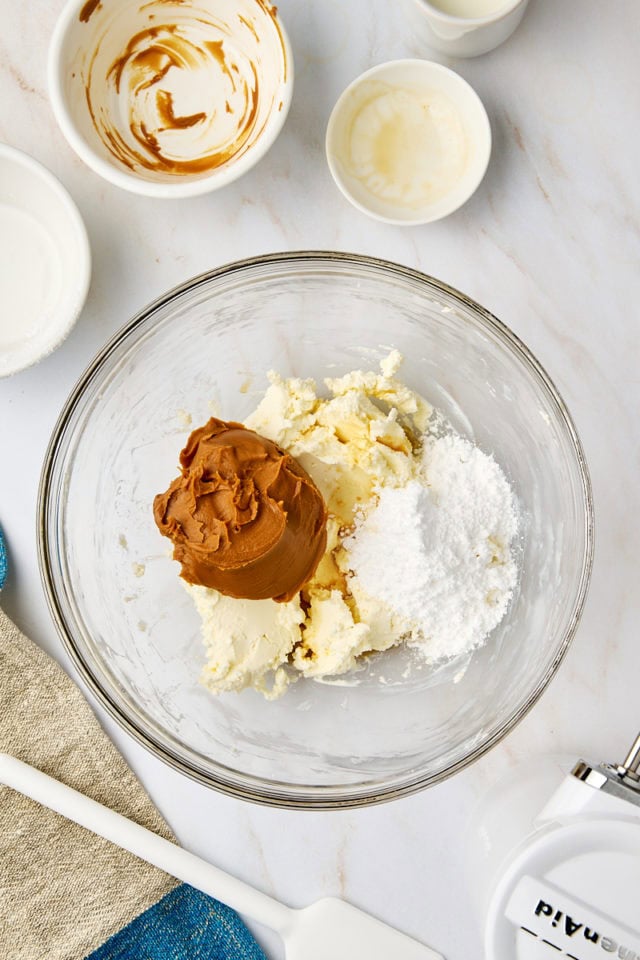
x=143, y=843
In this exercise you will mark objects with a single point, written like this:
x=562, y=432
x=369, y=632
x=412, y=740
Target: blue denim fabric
x=3, y=561
x=184, y=925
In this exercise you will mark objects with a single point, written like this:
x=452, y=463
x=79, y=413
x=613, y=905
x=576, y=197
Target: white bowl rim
x=434, y=69
x=218, y=178
x=508, y=6
x=81, y=265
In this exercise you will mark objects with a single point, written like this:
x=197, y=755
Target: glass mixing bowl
x=115, y=594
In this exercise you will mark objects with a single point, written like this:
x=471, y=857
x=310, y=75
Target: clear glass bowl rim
x=248, y=787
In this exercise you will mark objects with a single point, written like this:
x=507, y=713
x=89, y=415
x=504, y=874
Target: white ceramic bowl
x=450, y=121
x=170, y=98
x=45, y=261
x=464, y=36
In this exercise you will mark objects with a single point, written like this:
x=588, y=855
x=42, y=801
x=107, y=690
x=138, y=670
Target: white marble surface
x=550, y=243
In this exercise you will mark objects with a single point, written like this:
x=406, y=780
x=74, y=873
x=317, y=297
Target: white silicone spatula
x=327, y=930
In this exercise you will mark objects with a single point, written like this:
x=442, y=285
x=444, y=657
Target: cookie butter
x=245, y=518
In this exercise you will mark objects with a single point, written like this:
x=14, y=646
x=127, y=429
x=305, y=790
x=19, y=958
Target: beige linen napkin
x=51, y=868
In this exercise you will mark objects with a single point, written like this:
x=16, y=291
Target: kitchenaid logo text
x=571, y=928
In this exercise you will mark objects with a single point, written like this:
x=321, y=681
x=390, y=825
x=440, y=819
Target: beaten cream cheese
x=362, y=437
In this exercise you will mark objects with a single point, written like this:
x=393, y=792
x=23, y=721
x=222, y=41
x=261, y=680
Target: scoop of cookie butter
x=243, y=515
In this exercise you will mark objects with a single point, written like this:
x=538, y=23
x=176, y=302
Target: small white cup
x=425, y=80
x=465, y=36
x=45, y=261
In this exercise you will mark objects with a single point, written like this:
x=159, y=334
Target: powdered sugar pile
x=439, y=553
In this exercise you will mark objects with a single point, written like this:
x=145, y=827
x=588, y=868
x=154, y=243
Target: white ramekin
x=413, y=74
x=54, y=245
x=79, y=36
x=464, y=36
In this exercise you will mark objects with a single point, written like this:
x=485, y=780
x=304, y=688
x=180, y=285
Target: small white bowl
x=408, y=142
x=464, y=36
x=170, y=98
x=45, y=261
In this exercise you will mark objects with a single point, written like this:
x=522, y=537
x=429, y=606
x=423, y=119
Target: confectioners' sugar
x=439, y=553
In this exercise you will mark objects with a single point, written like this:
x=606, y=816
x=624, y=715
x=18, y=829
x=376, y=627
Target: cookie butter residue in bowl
x=418, y=548
x=181, y=87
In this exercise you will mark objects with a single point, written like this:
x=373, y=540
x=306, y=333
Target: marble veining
x=550, y=243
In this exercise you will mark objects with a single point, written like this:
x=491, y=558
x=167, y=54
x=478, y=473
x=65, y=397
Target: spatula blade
x=334, y=930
